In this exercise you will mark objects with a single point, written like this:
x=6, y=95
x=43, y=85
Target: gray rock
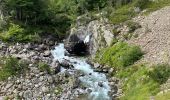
x=55, y=66
x=9, y=85
x=40, y=84
x=18, y=81
x=100, y=35
x=96, y=65
x=41, y=78
x=51, y=43
x=36, y=85
x=15, y=91
x=75, y=45
x=42, y=47
x=111, y=70
x=36, y=58
x=44, y=89
x=32, y=53
x=27, y=94
x=48, y=95
x=19, y=87
x=27, y=46
x=111, y=83
x=100, y=84
x=65, y=64
x=50, y=79
x=20, y=94
x=89, y=90
x=137, y=9
x=47, y=53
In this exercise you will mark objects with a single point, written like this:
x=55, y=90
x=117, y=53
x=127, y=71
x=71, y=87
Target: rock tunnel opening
x=76, y=45
x=79, y=48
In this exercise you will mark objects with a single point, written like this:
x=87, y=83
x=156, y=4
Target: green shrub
x=11, y=66
x=127, y=36
x=122, y=14
x=152, y=6
x=3, y=24
x=12, y=32
x=16, y=33
x=125, y=10
x=160, y=73
x=137, y=84
x=44, y=67
x=114, y=41
x=58, y=90
x=132, y=26
x=115, y=32
x=141, y=3
x=140, y=81
x=119, y=55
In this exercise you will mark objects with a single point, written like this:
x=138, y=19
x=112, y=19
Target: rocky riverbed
x=64, y=83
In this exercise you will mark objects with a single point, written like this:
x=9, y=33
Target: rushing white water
x=91, y=79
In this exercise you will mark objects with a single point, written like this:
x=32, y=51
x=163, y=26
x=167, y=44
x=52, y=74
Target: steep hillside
x=154, y=36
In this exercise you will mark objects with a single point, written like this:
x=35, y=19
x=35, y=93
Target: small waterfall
x=87, y=39
x=91, y=79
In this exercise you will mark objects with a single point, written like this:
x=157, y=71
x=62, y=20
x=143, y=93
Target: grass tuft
x=10, y=67
x=44, y=67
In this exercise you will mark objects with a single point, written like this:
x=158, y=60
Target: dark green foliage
x=119, y=55
x=160, y=73
x=16, y=33
x=11, y=66
x=88, y=5
x=119, y=3
x=57, y=16
x=37, y=14
x=24, y=10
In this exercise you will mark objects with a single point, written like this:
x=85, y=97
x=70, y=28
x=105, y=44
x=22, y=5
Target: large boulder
x=99, y=33
x=102, y=35
x=66, y=64
x=75, y=45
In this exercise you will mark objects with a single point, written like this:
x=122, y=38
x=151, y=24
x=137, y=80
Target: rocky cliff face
x=99, y=33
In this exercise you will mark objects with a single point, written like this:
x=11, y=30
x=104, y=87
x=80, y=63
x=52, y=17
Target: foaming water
x=91, y=79
x=87, y=39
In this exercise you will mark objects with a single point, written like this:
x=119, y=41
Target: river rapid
x=95, y=81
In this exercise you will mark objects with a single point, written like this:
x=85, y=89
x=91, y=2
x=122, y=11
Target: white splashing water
x=87, y=39
x=91, y=78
